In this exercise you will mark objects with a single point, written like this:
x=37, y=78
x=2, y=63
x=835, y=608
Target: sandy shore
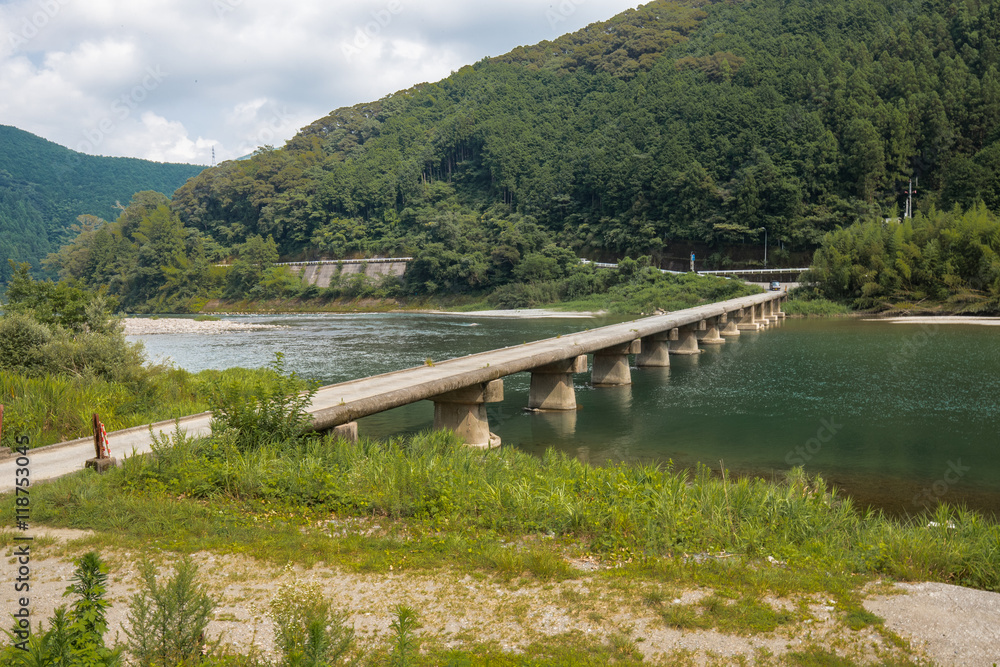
x=141, y=326
x=521, y=314
x=949, y=319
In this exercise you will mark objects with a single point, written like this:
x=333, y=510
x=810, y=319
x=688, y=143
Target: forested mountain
x=678, y=124
x=45, y=187
x=678, y=121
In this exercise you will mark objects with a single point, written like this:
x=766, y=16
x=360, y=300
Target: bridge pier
x=761, y=317
x=769, y=313
x=655, y=352
x=464, y=412
x=777, y=308
x=732, y=321
x=552, y=384
x=710, y=336
x=747, y=320
x=686, y=341
x=611, y=365
x=348, y=432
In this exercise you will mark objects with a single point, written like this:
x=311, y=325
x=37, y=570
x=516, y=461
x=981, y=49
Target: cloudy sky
x=169, y=80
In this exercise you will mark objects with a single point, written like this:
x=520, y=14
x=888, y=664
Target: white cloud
x=235, y=74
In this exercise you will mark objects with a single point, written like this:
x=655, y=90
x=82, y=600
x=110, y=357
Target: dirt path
x=954, y=625
x=949, y=624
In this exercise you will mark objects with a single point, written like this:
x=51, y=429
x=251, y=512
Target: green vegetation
x=63, y=358
x=642, y=290
x=168, y=619
x=74, y=636
x=936, y=260
x=456, y=506
x=813, y=306
x=677, y=126
x=671, y=125
x=45, y=188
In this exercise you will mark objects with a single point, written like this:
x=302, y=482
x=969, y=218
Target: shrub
x=307, y=632
x=522, y=295
x=168, y=620
x=105, y=355
x=404, y=644
x=74, y=637
x=261, y=408
x=21, y=342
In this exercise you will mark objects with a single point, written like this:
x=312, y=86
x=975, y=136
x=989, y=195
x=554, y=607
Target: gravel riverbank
x=144, y=326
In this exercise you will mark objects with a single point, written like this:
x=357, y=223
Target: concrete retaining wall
x=323, y=272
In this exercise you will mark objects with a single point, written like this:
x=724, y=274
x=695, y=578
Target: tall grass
x=624, y=511
x=818, y=307
x=54, y=408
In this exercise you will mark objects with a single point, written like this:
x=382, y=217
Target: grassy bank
x=642, y=291
x=428, y=507
x=814, y=308
x=53, y=408
x=450, y=504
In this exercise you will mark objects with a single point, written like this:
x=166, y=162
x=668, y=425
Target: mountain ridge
x=44, y=187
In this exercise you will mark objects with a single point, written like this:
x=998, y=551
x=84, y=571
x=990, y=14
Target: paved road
x=347, y=401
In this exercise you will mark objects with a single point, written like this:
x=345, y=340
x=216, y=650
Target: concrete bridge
x=460, y=388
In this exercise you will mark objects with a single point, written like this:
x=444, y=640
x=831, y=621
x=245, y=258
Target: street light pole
x=764, y=229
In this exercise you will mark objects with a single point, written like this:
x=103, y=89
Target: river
x=897, y=415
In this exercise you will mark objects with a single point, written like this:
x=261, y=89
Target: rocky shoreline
x=145, y=326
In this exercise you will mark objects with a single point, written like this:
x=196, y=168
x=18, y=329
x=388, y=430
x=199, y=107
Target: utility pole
x=910, y=190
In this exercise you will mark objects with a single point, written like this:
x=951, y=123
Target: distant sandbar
x=944, y=319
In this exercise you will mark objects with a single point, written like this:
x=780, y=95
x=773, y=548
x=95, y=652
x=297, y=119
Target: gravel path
x=949, y=625
x=954, y=625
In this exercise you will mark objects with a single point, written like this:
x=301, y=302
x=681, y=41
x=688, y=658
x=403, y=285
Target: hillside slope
x=679, y=122
x=44, y=187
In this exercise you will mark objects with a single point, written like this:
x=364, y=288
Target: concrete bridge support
x=760, y=317
x=552, y=384
x=686, y=341
x=464, y=412
x=348, y=432
x=776, y=305
x=769, y=313
x=747, y=320
x=732, y=328
x=655, y=352
x=611, y=365
x=711, y=334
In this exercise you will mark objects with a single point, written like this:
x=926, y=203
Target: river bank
x=506, y=555
x=145, y=326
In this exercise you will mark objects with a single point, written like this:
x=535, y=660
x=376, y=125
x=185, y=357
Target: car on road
x=775, y=286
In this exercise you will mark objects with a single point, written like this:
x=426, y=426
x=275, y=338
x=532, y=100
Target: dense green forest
x=45, y=187
x=672, y=127
x=949, y=259
x=676, y=123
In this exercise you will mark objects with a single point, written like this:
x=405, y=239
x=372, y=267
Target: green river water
x=898, y=416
